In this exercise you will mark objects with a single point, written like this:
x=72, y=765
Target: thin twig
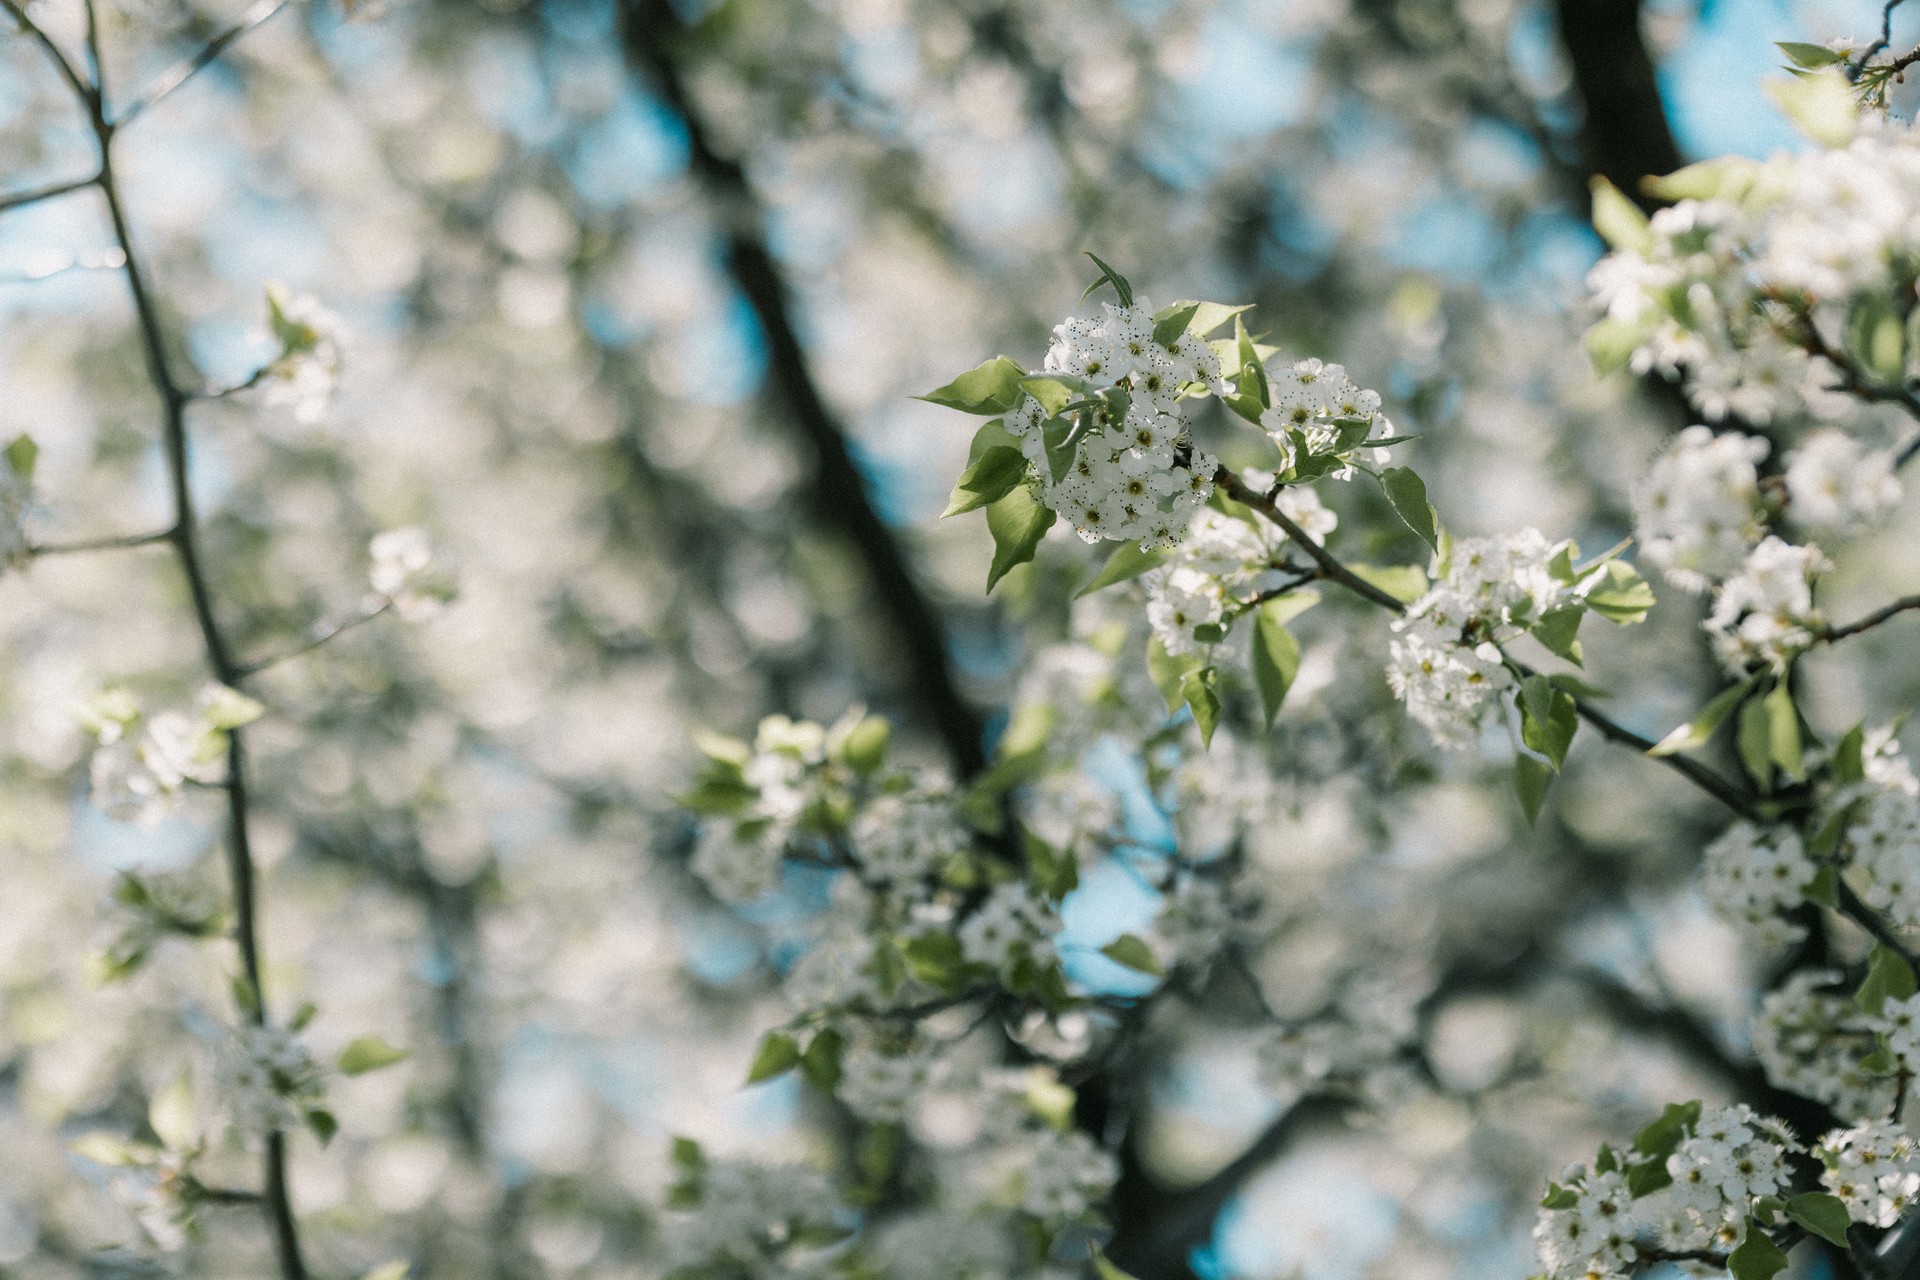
x=314, y=641
x=253, y=380
x=188, y=68
x=1867, y=918
x=20, y=199
x=1872, y=620
x=1880, y=45
x=114, y=542
x=1330, y=568
x=275, y=1201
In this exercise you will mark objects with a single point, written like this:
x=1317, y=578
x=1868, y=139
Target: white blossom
x=1874, y=1168
x=1696, y=513
x=408, y=574
x=305, y=373
x=1752, y=876
x=1837, y=486
x=1765, y=614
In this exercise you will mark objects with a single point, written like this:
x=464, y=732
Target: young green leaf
x=1783, y=732
x=1618, y=220
x=1849, y=763
x=1808, y=57
x=1821, y=104
x=820, y=1064
x=1824, y=1215
x=1126, y=563
x=1559, y=630
x=369, y=1053
x=322, y=1124
x=991, y=388
x=1197, y=688
x=1053, y=392
x=778, y=1055
x=1758, y=1257
x=1404, y=582
x=1695, y=732
x=1888, y=978
x=171, y=1114
x=396, y=1270
x=1530, y=779
x=1408, y=494
x=1621, y=595
x=1134, y=954
x=1170, y=673
x=1109, y=276
x=21, y=455
x=1553, y=734
x=1753, y=741
x=1104, y=1269
x=1171, y=322
x=1017, y=523
x=1276, y=655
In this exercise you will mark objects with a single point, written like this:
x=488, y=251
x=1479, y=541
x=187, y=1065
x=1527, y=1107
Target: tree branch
x=181, y=72
x=33, y=195
x=840, y=498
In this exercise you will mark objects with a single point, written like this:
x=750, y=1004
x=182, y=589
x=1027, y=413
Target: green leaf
x=1017, y=523
x=1559, y=630
x=1126, y=563
x=1408, y=494
x=1251, y=378
x=1606, y=1161
x=865, y=747
x=22, y=454
x=1050, y=1100
x=1695, y=732
x=1134, y=954
x=991, y=388
x=1536, y=698
x=1530, y=779
x=1754, y=743
x=1619, y=220
x=1611, y=343
x=1276, y=654
x=1727, y=177
x=1808, y=57
x=1647, y=1176
x=369, y=1053
x=171, y=1114
x=1825, y=888
x=1559, y=1197
x=1888, y=978
x=687, y=1157
x=820, y=1064
x=1404, y=582
x=1201, y=320
x=989, y=477
x=1822, y=1214
x=1109, y=276
x=396, y=1270
x=103, y=1148
x=936, y=959
x=1783, y=732
x=778, y=1055
x=1849, y=763
x=1053, y=391
x=323, y=1125
x=1170, y=673
x=1661, y=1138
x=1027, y=731
x=1197, y=688
x=1622, y=596
x=1877, y=337
x=1170, y=322
x=1758, y=1257
x=1553, y=734
x=1821, y=105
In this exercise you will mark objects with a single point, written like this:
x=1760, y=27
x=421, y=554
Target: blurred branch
x=1624, y=137
x=320, y=636
x=183, y=534
x=1872, y=620
x=651, y=30
x=1880, y=45
x=34, y=195
x=114, y=543
x=186, y=69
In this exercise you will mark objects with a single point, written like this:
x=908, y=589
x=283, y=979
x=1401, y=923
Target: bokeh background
x=637, y=292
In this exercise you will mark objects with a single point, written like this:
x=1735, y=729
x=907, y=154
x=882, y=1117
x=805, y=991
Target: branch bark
x=651, y=30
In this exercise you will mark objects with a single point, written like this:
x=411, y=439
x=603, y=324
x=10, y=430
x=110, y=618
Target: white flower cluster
x=1360, y=1042
x=746, y=1215
x=1137, y=476
x=1752, y=876
x=1010, y=926
x=1898, y=1024
x=1837, y=486
x=1064, y=1173
x=1445, y=663
x=739, y=859
x=878, y=1086
x=1874, y=1168
x=1315, y=409
x=1765, y=615
x=1731, y=1157
x=902, y=839
x=1197, y=920
x=306, y=372
x=143, y=763
x=408, y=574
x=1224, y=562
x=1884, y=839
x=1594, y=1238
x=268, y=1079
x=1811, y=1038
x=1696, y=513
x=1741, y=284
